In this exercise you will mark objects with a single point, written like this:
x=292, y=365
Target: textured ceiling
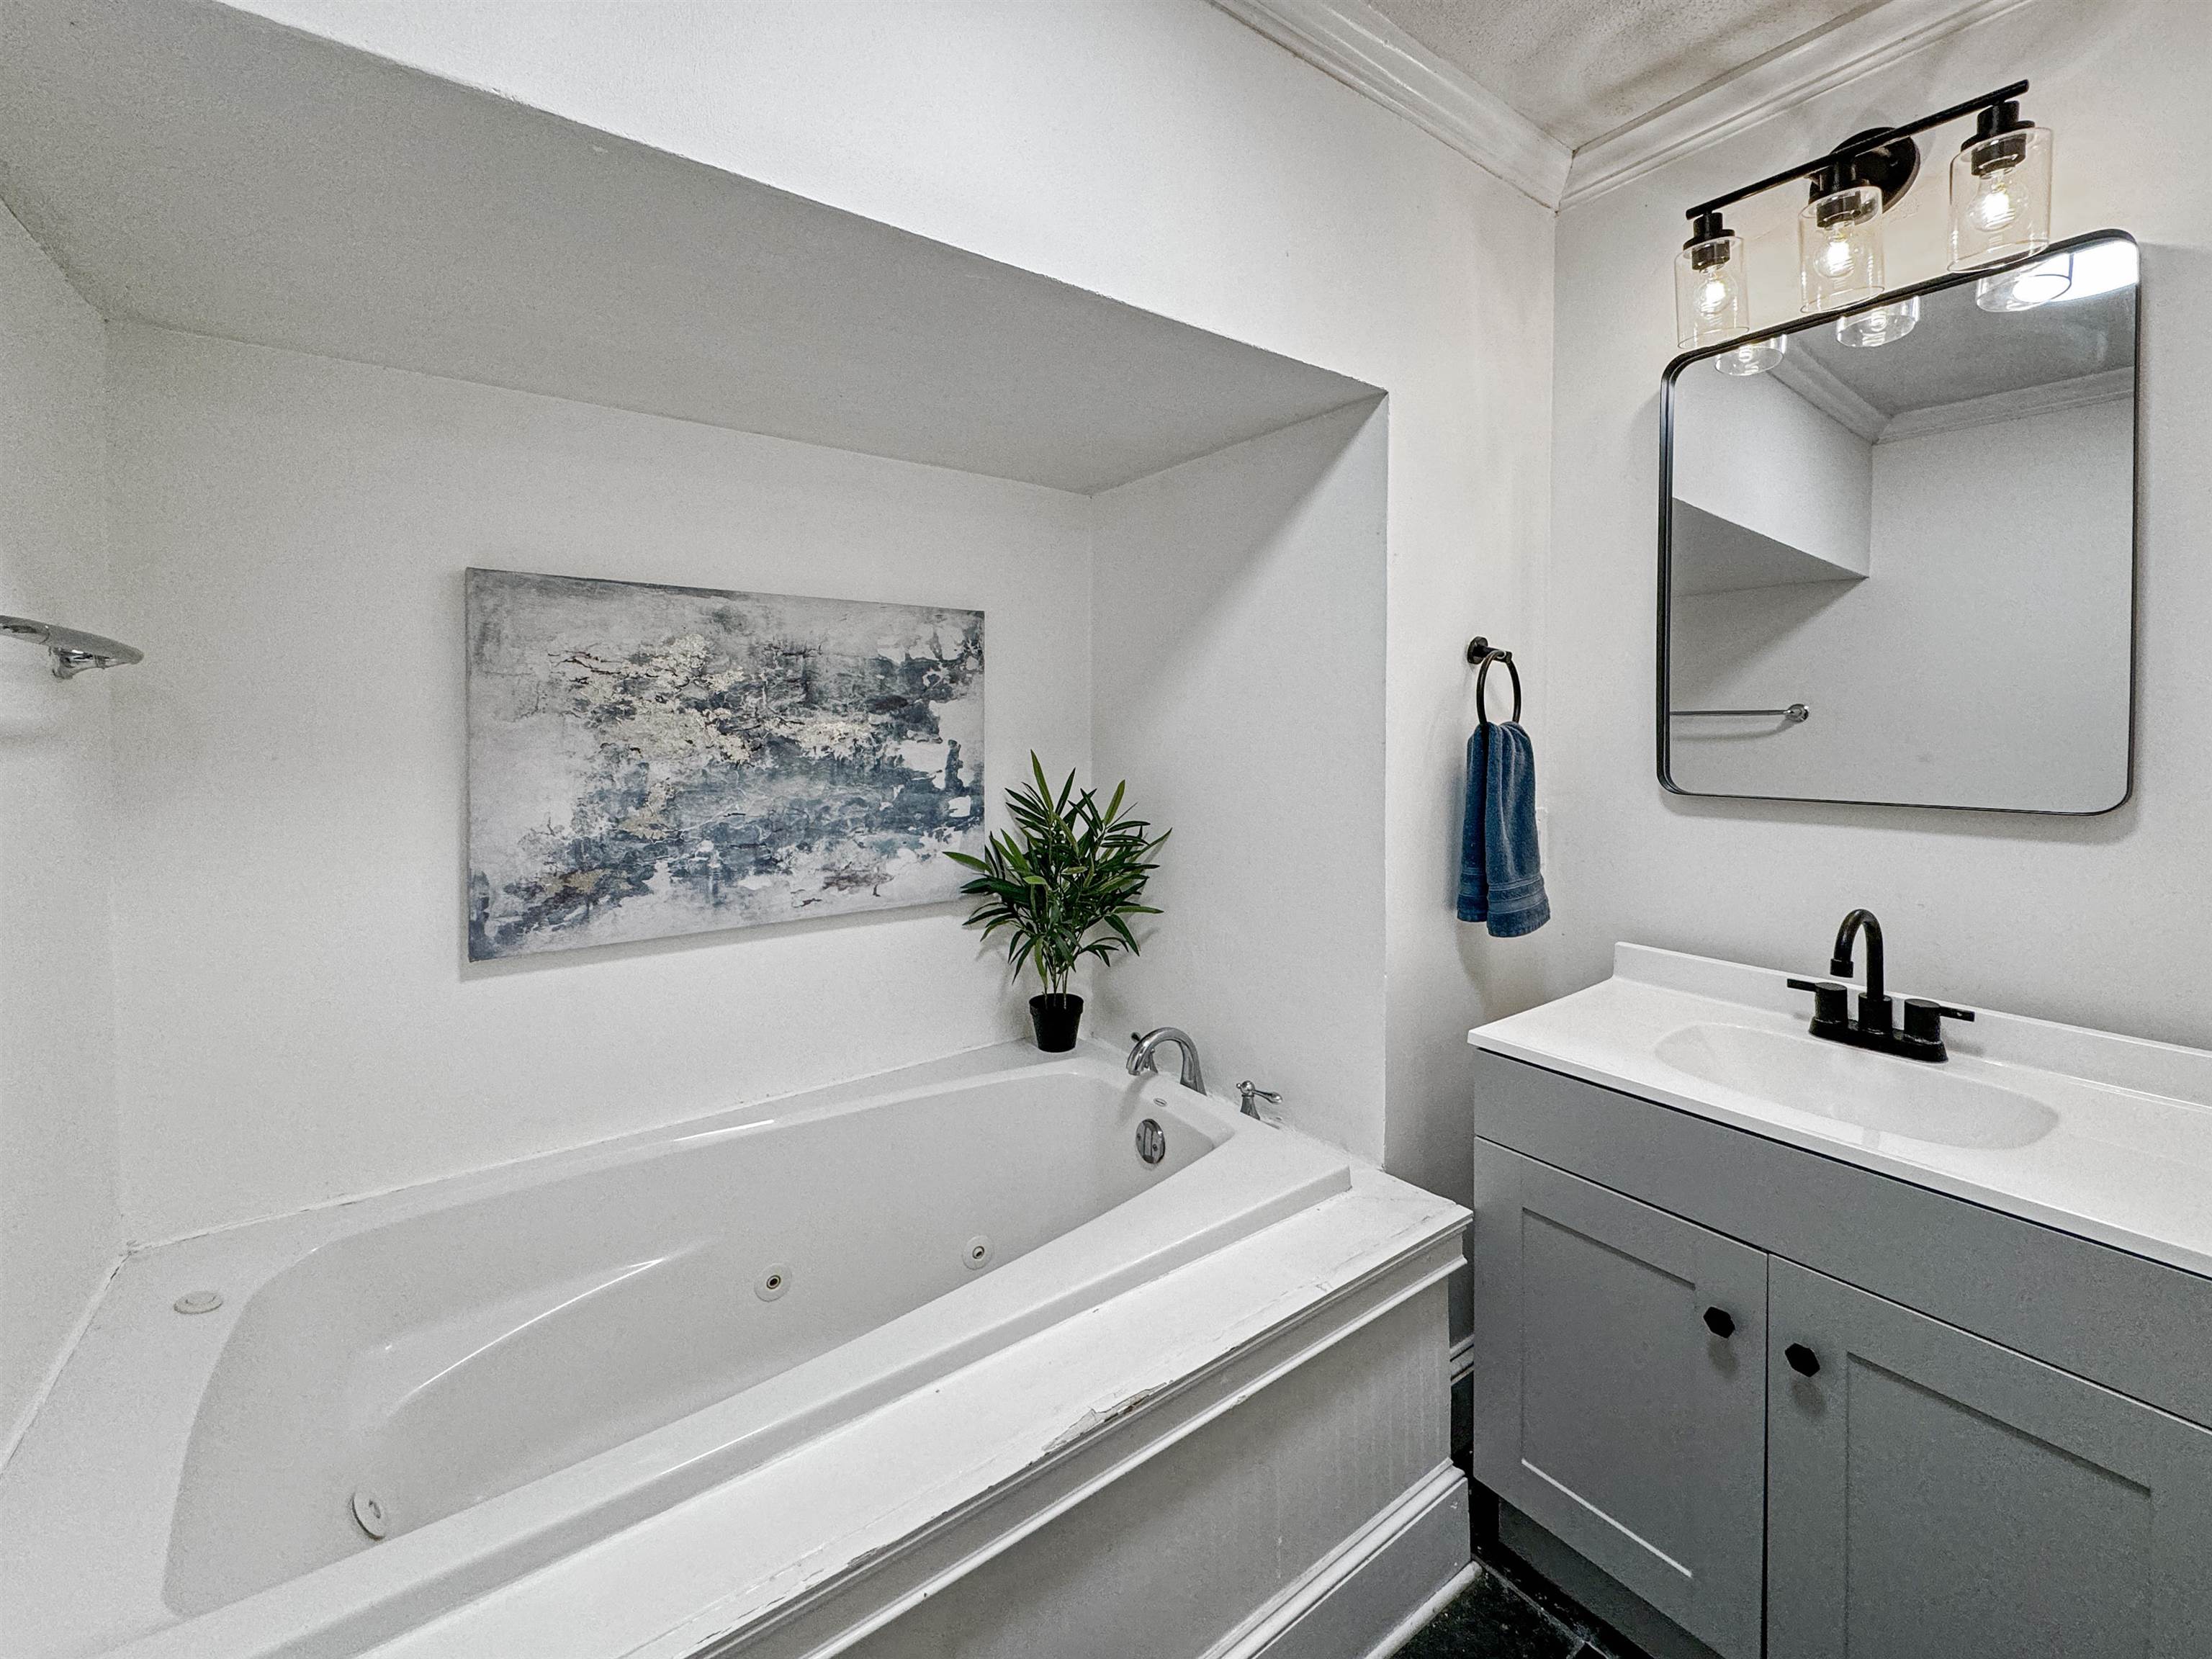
x=1581, y=69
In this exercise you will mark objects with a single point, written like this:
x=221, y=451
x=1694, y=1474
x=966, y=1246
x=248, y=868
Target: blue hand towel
x=1501, y=877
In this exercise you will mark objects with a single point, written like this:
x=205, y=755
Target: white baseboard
x=1374, y=1590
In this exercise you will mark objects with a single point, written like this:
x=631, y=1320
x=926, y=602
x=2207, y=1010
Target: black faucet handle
x=1924, y=1020
x=1831, y=1001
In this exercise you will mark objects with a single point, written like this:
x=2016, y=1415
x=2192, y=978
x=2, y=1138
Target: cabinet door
x=1606, y=1409
x=1931, y=1493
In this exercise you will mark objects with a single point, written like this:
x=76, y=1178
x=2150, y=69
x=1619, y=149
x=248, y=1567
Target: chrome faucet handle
x=1249, y=1093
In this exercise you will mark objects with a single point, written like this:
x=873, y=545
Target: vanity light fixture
x=1839, y=242
x=2000, y=192
x=2001, y=189
x=1710, y=303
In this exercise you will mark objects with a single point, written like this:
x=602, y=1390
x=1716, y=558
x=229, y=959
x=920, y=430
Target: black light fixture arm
x=1859, y=144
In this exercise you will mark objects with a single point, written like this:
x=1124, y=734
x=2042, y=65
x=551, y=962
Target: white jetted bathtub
x=404, y=1402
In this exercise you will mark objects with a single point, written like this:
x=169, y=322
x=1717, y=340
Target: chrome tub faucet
x=1140, y=1056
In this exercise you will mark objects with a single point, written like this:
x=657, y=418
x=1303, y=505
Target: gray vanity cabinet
x=1621, y=1389
x=1929, y=1492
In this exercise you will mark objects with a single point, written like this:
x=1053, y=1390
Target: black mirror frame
x=1820, y=319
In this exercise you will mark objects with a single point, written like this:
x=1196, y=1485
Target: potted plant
x=1063, y=884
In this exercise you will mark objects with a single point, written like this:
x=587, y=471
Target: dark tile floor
x=1512, y=1613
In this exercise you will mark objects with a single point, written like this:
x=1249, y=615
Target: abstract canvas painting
x=648, y=761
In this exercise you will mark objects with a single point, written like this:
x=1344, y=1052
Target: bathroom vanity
x=1791, y=1348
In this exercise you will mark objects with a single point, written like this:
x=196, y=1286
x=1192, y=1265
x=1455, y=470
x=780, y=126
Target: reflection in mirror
x=1906, y=573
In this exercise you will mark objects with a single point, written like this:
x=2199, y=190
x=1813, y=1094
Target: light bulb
x=1994, y=206
x=2000, y=191
x=1710, y=303
x=1839, y=247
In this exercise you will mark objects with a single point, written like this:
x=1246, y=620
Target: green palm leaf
x=1065, y=880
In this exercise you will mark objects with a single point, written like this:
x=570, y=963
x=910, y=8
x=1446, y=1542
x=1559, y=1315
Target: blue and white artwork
x=649, y=761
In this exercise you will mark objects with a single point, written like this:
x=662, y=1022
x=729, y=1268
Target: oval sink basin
x=1877, y=1092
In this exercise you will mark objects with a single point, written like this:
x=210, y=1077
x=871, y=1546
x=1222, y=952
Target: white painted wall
x=1159, y=152
x=59, y=1230
x=2099, y=920
x=297, y=1019
x=1982, y=660
x=1238, y=609
x=1751, y=450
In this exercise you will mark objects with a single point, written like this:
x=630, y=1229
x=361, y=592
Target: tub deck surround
x=2103, y=1136
x=525, y=1367
x=882, y=1510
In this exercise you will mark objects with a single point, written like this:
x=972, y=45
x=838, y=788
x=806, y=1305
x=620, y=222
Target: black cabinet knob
x=1720, y=1322
x=1803, y=1360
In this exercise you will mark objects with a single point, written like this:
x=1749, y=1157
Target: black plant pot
x=1057, y=1015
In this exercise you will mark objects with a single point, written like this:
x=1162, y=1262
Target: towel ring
x=1480, y=655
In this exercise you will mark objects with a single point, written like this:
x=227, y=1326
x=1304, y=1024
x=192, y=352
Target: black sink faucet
x=1875, y=1028
x=1873, y=1003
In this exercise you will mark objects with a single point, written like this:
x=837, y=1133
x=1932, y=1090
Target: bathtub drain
x=369, y=1512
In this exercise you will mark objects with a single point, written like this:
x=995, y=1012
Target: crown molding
x=1855, y=47
x=1821, y=386
x=2112, y=385
x=1371, y=55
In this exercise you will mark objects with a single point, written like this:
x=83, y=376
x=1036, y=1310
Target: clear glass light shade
x=2001, y=198
x=2024, y=289
x=2099, y=268
x=1880, y=325
x=1753, y=356
x=1839, y=247
x=1709, y=302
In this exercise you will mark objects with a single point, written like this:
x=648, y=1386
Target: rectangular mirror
x=1905, y=573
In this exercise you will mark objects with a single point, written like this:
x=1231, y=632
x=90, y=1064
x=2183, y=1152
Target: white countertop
x=2124, y=1156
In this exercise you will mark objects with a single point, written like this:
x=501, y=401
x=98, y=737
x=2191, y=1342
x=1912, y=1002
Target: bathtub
x=404, y=1402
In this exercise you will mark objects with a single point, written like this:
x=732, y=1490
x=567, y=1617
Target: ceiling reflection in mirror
x=1905, y=573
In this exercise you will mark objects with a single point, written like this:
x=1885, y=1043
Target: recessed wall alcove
x=357, y=328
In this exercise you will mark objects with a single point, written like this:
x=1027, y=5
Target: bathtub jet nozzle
x=369, y=1513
